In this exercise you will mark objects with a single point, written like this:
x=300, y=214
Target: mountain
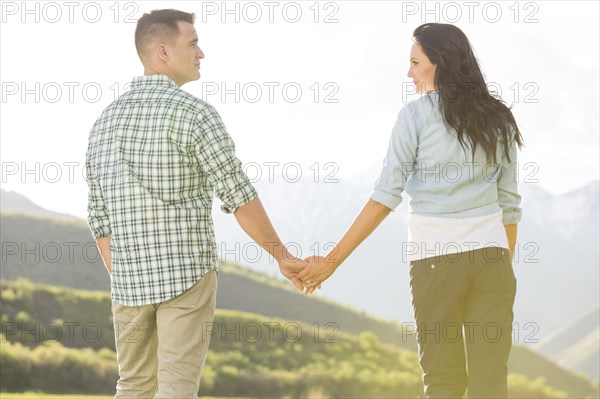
x=557, y=249
x=558, y=268
x=13, y=201
x=576, y=346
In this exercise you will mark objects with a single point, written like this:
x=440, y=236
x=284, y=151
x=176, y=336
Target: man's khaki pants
x=160, y=347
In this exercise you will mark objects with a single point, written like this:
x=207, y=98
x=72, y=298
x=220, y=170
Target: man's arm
x=215, y=151
x=97, y=217
x=253, y=219
x=104, y=248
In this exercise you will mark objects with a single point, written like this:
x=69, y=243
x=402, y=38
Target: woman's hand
x=318, y=270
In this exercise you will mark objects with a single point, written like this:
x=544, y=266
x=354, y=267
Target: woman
x=454, y=152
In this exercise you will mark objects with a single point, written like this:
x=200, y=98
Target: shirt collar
x=152, y=80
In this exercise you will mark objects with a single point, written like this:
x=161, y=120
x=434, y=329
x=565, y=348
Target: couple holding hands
x=183, y=157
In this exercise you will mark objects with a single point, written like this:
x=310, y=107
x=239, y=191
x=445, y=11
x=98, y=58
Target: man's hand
x=290, y=266
x=103, y=244
x=318, y=270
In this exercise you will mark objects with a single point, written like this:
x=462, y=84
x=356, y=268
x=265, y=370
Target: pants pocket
x=124, y=313
x=428, y=279
x=190, y=298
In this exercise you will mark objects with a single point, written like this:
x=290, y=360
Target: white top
x=430, y=236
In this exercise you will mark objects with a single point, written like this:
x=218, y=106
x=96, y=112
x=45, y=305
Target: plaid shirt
x=156, y=157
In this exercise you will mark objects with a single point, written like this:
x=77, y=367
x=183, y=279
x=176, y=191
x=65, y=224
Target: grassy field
x=27, y=395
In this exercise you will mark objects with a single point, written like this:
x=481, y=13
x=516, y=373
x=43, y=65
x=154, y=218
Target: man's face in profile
x=185, y=55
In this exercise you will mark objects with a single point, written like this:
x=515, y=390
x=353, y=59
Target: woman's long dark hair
x=465, y=102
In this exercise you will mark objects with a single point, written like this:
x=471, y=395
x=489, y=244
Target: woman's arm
x=399, y=164
x=509, y=197
x=511, y=233
x=319, y=268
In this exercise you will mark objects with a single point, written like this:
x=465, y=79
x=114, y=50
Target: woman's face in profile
x=421, y=70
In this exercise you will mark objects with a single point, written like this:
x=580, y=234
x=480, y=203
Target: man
x=155, y=156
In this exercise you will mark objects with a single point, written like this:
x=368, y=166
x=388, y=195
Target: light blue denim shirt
x=426, y=160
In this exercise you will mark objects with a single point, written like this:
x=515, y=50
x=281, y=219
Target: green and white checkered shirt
x=156, y=157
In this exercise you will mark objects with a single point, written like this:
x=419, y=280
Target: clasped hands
x=308, y=274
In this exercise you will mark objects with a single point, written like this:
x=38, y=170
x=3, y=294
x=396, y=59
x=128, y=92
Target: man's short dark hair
x=160, y=24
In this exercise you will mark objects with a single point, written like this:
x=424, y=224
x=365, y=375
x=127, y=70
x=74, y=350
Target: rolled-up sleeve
x=400, y=160
x=508, y=196
x=97, y=215
x=216, y=153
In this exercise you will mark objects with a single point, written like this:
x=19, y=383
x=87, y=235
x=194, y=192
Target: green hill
x=62, y=252
x=59, y=340
x=33, y=315
x=250, y=355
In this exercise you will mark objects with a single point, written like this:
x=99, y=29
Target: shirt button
x=433, y=266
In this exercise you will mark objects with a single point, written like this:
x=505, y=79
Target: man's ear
x=162, y=52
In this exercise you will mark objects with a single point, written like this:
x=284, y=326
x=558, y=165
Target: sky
x=303, y=87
